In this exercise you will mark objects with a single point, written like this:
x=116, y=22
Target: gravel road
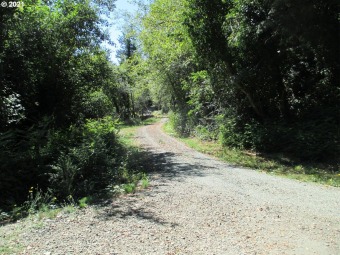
x=198, y=205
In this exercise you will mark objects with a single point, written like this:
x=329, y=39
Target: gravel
x=196, y=205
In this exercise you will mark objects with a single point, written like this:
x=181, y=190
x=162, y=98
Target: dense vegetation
x=261, y=75
x=61, y=100
x=257, y=75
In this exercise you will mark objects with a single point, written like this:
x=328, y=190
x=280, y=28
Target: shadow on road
x=166, y=167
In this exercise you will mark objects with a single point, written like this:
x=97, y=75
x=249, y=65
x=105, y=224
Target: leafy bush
x=312, y=139
x=85, y=201
x=208, y=132
x=180, y=123
x=228, y=135
x=129, y=187
x=90, y=162
x=97, y=105
x=145, y=181
x=22, y=164
x=76, y=161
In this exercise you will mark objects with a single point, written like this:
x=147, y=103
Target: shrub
x=308, y=139
x=206, y=132
x=129, y=187
x=179, y=121
x=88, y=163
x=85, y=201
x=97, y=105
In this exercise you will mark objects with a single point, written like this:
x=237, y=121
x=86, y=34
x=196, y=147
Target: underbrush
x=312, y=139
x=279, y=164
x=73, y=167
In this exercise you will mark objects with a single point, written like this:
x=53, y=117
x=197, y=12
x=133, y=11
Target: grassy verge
x=10, y=233
x=137, y=161
x=127, y=132
x=274, y=163
x=9, y=243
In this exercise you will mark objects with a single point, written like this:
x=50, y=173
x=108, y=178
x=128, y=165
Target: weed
x=47, y=213
x=85, y=201
x=9, y=241
x=145, y=181
x=129, y=188
x=69, y=209
x=115, y=189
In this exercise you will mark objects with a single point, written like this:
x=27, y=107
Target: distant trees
x=127, y=45
x=169, y=53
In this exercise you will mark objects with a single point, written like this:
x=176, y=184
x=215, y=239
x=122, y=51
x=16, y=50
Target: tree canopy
x=260, y=75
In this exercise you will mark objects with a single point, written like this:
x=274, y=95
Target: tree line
x=259, y=75
x=61, y=101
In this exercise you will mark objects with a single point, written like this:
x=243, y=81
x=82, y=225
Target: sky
x=121, y=7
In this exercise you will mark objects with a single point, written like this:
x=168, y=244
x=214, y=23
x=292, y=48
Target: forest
x=254, y=75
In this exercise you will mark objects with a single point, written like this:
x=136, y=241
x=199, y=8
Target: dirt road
x=199, y=205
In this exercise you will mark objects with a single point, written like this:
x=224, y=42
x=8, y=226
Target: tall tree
x=267, y=63
x=50, y=64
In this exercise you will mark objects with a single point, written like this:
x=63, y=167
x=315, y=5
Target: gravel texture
x=197, y=205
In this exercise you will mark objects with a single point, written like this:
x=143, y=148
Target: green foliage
x=95, y=156
x=64, y=171
x=170, y=53
x=77, y=163
x=145, y=182
x=38, y=200
x=129, y=188
x=55, y=78
x=180, y=123
x=85, y=201
x=268, y=72
x=317, y=139
x=206, y=132
x=92, y=159
x=98, y=105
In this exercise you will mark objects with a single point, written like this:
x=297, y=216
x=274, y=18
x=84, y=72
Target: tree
x=51, y=64
x=267, y=63
x=128, y=45
x=169, y=53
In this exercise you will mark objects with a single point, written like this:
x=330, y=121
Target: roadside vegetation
x=43, y=205
x=62, y=103
x=130, y=176
x=258, y=81
x=242, y=75
x=278, y=164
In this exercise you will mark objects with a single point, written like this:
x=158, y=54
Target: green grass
x=68, y=209
x=9, y=243
x=47, y=213
x=276, y=164
x=145, y=182
x=10, y=232
x=85, y=201
x=129, y=188
x=127, y=131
